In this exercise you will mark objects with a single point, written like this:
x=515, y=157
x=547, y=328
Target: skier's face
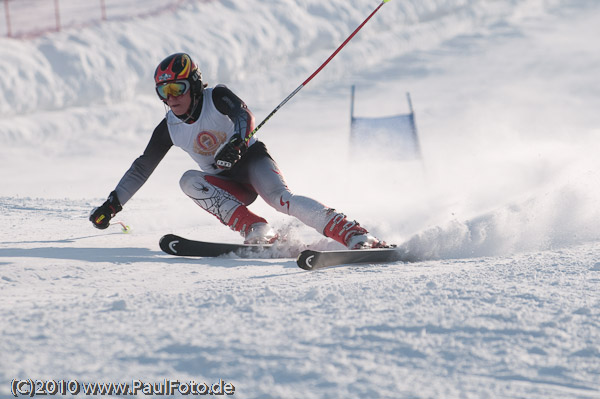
x=180, y=104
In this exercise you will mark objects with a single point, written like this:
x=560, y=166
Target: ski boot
x=351, y=234
x=252, y=227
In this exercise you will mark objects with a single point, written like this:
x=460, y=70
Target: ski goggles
x=174, y=89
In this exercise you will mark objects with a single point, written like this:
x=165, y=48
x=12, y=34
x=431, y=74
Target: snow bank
x=263, y=48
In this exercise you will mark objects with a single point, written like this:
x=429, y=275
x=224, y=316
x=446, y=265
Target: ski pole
x=252, y=133
x=124, y=227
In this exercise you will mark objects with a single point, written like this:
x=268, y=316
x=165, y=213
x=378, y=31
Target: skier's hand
x=100, y=216
x=230, y=152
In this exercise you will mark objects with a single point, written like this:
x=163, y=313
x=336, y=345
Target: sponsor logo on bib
x=207, y=142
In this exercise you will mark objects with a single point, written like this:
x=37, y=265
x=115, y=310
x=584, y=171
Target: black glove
x=230, y=152
x=100, y=216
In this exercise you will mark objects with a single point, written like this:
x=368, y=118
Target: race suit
x=223, y=193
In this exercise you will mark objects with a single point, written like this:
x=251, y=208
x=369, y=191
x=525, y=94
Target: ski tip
x=305, y=259
x=168, y=243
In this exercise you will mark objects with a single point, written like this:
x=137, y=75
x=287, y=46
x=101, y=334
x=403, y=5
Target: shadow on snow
x=130, y=255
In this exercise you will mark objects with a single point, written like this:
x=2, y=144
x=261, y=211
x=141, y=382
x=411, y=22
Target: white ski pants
x=221, y=195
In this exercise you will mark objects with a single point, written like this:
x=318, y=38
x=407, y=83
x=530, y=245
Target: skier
x=211, y=125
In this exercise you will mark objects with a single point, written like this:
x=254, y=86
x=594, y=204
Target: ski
x=313, y=260
x=308, y=259
x=179, y=246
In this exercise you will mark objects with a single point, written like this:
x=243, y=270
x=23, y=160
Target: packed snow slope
x=502, y=211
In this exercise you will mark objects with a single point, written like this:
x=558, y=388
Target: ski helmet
x=180, y=70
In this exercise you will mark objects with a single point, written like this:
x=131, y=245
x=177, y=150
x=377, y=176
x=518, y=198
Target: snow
x=503, y=213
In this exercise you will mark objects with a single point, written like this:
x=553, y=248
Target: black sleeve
x=144, y=165
x=231, y=105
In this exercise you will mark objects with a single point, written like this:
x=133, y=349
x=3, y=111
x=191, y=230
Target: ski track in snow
x=505, y=301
